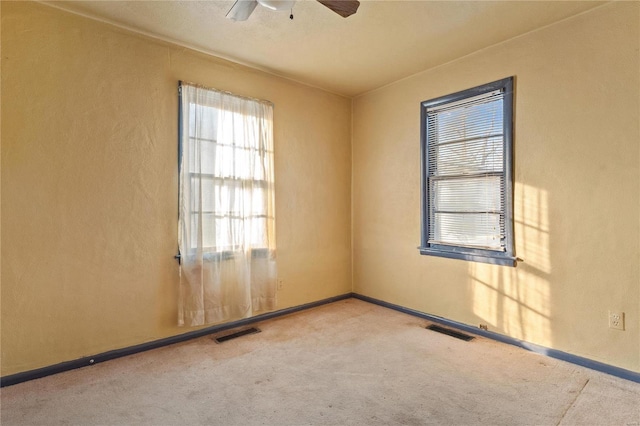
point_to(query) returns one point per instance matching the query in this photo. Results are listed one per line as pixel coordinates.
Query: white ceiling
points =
(383, 42)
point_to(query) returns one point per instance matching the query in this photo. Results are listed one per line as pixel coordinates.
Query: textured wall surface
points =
(90, 178)
(89, 187)
(577, 193)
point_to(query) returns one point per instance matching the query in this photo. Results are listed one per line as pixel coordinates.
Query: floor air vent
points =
(237, 334)
(450, 332)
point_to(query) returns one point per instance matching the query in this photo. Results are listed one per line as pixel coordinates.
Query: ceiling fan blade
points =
(241, 10)
(343, 8)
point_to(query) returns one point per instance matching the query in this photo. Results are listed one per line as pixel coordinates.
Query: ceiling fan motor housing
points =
(242, 9)
(277, 4)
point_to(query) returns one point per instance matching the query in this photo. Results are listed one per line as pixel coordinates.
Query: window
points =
(466, 150)
(226, 176)
(226, 229)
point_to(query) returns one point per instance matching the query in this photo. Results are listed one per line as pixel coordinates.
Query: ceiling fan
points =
(242, 9)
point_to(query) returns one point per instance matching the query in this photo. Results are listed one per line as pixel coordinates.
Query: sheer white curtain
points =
(227, 211)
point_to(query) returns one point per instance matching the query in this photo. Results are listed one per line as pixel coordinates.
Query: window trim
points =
(506, 258)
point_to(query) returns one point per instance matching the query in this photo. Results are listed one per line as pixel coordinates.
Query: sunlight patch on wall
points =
(516, 301)
(486, 298)
(531, 223)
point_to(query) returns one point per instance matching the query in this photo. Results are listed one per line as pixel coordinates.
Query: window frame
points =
(212, 253)
(506, 258)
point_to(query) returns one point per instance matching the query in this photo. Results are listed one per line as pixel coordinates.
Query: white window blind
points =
(466, 173)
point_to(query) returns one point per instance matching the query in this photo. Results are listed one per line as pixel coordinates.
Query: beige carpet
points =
(348, 363)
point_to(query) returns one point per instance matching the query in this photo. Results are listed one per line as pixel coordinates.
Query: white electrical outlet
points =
(616, 320)
(280, 283)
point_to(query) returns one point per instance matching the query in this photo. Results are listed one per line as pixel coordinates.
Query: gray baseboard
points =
(117, 353)
(553, 353)
(14, 379)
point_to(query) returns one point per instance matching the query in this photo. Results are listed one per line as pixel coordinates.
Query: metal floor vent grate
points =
(237, 334)
(450, 332)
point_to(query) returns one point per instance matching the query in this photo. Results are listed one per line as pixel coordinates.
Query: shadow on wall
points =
(516, 301)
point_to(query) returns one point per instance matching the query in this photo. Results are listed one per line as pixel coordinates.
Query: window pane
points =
(481, 194)
(202, 155)
(258, 235)
(207, 156)
(468, 230)
(256, 199)
(202, 122)
(468, 121)
(208, 193)
(467, 157)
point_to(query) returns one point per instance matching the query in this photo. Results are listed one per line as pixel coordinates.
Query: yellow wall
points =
(89, 187)
(89, 184)
(577, 193)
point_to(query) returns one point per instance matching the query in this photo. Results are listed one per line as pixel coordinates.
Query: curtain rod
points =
(200, 86)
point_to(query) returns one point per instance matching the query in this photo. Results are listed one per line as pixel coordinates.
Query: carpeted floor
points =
(347, 363)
